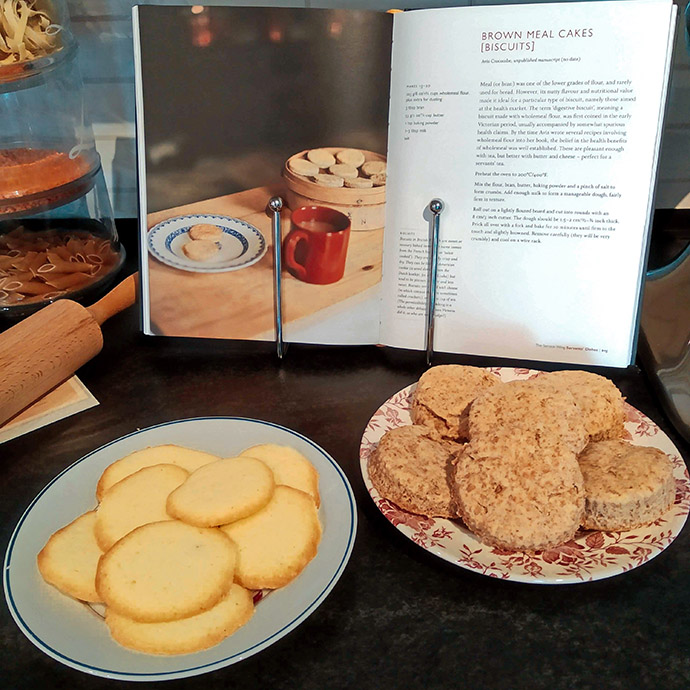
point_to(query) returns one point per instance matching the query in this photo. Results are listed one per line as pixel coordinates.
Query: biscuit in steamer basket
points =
(186, 458)
(187, 635)
(136, 500)
(166, 571)
(601, 403)
(525, 414)
(222, 491)
(626, 485)
(412, 470)
(276, 543)
(321, 157)
(520, 499)
(442, 397)
(353, 157)
(70, 557)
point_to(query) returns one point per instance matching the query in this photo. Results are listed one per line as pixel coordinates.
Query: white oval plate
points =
(589, 556)
(71, 633)
(240, 246)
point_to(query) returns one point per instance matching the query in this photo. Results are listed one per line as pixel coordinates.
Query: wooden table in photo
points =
(239, 304)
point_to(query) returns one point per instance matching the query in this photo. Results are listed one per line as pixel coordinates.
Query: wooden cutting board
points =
(239, 304)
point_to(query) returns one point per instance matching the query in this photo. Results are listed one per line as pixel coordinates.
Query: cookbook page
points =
(235, 106)
(538, 127)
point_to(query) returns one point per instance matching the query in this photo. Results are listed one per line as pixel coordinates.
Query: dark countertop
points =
(398, 617)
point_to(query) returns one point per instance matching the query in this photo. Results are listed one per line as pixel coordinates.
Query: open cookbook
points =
(538, 126)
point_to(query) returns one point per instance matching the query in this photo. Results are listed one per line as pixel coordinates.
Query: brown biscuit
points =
(411, 469)
(520, 500)
(528, 415)
(601, 403)
(443, 395)
(626, 485)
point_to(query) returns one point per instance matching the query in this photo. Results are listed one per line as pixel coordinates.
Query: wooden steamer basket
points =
(364, 207)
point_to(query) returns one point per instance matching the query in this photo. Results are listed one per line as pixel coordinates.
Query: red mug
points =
(315, 249)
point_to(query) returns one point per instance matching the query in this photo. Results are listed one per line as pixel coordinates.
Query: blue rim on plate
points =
(241, 245)
(68, 632)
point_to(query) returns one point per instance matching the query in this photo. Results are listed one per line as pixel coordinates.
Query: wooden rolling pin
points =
(47, 347)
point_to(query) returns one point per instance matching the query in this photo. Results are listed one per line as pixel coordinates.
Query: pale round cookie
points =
(136, 500)
(359, 183)
(378, 179)
(70, 557)
(321, 157)
(165, 571)
(222, 491)
(205, 231)
(520, 500)
(353, 157)
(200, 250)
(626, 486)
(328, 180)
(412, 470)
(601, 403)
(373, 168)
(187, 458)
(443, 396)
(289, 467)
(301, 166)
(275, 544)
(525, 414)
(343, 170)
(186, 635)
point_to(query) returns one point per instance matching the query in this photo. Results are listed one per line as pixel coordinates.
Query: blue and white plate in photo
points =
(73, 634)
(240, 245)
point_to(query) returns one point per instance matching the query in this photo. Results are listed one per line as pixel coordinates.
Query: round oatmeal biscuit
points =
(136, 500)
(186, 458)
(373, 168)
(70, 557)
(525, 414)
(222, 491)
(412, 470)
(328, 180)
(343, 170)
(378, 179)
(275, 544)
(166, 571)
(626, 485)
(301, 166)
(289, 467)
(520, 500)
(187, 635)
(601, 403)
(353, 157)
(321, 157)
(205, 231)
(443, 395)
(200, 250)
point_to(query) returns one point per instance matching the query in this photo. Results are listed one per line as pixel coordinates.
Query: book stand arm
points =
(275, 206)
(435, 206)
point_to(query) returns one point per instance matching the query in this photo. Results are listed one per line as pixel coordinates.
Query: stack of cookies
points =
(343, 168)
(182, 540)
(524, 464)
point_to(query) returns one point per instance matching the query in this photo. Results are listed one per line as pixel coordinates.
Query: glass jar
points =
(57, 233)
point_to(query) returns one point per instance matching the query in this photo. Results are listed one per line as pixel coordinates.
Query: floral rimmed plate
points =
(589, 556)
(72, 633)
(240, 245)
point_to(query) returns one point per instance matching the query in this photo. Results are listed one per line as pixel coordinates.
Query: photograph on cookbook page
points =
(236, 106)
(538, 126)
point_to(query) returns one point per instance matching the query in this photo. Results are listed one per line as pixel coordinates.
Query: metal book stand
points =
(275, 206)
